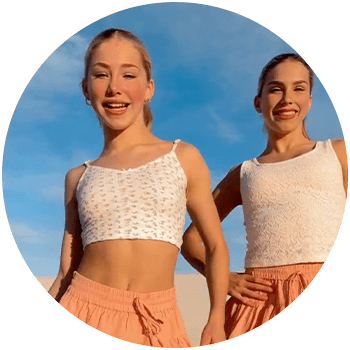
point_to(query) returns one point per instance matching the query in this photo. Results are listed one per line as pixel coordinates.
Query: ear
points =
(257, 104)
(150, 90)
(310, 101)
(85, 89)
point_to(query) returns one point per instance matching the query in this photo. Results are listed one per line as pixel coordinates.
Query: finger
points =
(258, 287)
(255, 295)
(241, 298)
(262, 281)
(205, 339)
(258, 280)
(248, 302)
(245, 292)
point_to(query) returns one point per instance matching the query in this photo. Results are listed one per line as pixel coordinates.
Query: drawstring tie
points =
(303, 284)
(151, 326)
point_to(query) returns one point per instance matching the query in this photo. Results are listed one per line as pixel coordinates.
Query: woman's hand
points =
(213, 333)
(246, 287)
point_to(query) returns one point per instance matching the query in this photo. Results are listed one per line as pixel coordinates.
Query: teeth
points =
(286, 113)
(117, 105)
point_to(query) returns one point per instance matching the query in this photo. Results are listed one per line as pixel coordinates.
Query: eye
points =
(100, 75)
(275, 89)
(299, 88)
(129, 76)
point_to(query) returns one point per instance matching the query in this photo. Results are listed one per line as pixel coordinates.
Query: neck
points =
(119, 140)
(283, 143)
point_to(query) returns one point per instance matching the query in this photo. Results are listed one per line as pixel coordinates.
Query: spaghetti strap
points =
(87, 163)
(175, 144)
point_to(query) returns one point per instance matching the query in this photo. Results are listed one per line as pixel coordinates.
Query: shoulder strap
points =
(175, 144)
(87, 163)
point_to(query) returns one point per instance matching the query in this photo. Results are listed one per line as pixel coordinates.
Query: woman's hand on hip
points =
(246, 287)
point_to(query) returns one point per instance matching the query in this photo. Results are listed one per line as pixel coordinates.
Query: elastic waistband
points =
(285, 271)
(117, 299)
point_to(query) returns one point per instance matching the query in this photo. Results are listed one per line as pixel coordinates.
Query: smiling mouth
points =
(285, 114)
(117, 106)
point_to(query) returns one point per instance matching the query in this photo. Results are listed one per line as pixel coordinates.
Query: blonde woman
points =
(125, 211)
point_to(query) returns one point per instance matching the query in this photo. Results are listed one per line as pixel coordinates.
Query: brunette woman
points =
(293, 196)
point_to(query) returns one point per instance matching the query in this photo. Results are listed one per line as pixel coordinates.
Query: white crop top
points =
(146, 202)
(293, 208)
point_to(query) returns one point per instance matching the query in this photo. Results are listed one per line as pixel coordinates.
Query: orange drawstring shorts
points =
(288, 282)
(151, 319)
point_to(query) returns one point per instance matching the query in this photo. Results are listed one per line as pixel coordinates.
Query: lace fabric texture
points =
(147, 202)
(292, 209)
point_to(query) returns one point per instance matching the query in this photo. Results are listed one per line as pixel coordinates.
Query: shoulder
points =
(340, 150)
(235, 171)
(189, 156)
(227, 194)
(232, 178)
(338, 145)
(192, 163)
(186, 150)
(74, 174)
(72, 178)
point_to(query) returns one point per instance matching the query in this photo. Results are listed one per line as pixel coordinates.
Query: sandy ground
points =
(192, 298)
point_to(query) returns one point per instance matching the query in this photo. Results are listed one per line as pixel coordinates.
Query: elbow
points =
(217, 249)
(188, 254)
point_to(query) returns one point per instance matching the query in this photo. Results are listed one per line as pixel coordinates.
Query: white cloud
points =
(32, 108)
(20, 230)
(59, 74)
(203, 35)
(23, 233)
(54, 193)
(62, 70)
(225, 129)
(48, 186)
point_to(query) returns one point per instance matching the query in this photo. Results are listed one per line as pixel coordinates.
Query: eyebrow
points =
(124, 65)
(281, 83)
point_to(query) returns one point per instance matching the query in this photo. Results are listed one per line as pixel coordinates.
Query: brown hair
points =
(275, 61)
(123, 34)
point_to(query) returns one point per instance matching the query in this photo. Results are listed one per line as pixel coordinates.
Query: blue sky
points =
(206, 62)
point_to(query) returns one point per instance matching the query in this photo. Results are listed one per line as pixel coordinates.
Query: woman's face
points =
(117, 85)
(285, 98)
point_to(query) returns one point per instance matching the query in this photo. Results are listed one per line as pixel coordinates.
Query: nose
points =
(287, 97)
(114, 87)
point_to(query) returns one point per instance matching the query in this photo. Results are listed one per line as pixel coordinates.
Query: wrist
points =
(217, 317)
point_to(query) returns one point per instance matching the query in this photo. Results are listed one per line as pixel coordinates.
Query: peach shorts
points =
(288, 282)
(151, 319)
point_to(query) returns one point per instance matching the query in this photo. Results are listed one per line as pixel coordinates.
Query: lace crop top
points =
(146, 202)
(293, 208)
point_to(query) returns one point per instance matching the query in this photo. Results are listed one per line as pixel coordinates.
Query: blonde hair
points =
(132, 38)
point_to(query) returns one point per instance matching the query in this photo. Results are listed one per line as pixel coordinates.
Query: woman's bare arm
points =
(226, 197)
(71, 250)
(202, 211)
(340, 150)
(243, 287)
